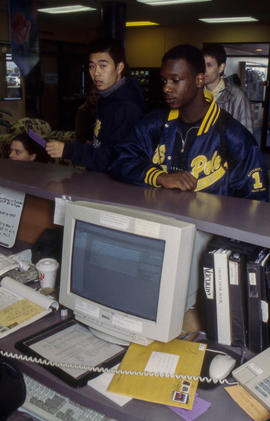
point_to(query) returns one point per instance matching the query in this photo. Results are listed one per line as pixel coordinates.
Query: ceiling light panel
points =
(229, 20)
(66, 9)
(168, 2)
(141, 23)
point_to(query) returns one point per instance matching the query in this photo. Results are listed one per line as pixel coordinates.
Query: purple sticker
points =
(199, 407)
(42, 142)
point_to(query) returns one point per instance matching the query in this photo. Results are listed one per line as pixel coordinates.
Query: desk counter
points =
(222, 406)
(242, 219)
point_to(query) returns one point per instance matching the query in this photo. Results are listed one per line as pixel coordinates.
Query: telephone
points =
(254, 376)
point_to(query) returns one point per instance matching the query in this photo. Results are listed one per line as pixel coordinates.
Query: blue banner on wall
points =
(24, 34)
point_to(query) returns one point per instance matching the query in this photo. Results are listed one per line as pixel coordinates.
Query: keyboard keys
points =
(49, 405)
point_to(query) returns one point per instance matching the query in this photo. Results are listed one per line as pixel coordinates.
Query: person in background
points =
(192, 145)
(12, 389)
(23, 148)
(228, 95)
(85, 117)
(234, 79)
(119, 108)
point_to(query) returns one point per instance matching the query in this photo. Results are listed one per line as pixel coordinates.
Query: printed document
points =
(21, 305)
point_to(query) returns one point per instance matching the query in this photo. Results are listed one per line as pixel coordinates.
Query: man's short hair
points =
(111, 46)
(217, 51)
(189, 53)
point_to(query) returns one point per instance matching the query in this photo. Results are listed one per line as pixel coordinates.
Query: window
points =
(10, 76)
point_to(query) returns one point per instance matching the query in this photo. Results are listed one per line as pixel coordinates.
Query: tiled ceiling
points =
(165, 15)
(174, 15)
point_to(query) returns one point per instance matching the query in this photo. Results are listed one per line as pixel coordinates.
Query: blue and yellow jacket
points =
(149, 153)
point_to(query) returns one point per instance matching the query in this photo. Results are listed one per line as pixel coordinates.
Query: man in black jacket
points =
(119, 108)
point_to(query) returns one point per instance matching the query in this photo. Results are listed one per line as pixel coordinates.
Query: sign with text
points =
(11, 206)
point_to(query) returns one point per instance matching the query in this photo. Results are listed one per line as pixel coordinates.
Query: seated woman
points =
(23, 148)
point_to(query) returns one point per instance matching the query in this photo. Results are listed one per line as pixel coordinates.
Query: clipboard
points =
(72, 342)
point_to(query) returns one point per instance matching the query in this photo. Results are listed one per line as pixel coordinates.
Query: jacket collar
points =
(113, 88)
(210, 117)
(220, 86)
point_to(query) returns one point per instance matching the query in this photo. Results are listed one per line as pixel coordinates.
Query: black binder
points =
(265, 300)
(238, 302)
(258, 326)
(210, 295)
(241, 253)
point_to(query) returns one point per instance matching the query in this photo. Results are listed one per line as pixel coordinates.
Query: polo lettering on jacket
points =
(207, 171)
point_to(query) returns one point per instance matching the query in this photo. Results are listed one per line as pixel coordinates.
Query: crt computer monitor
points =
(125, 272)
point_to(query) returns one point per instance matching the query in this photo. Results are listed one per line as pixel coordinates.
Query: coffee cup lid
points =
(47, 264)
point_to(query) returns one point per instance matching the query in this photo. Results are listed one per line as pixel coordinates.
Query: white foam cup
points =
(47, 269)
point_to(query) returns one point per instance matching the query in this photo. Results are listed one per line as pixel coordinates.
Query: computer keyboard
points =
(48, 405)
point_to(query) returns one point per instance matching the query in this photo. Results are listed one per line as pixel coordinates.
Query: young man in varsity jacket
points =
(119, 108)
(193, 145)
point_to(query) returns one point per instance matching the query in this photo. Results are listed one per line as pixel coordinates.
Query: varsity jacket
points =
(235, 101)
(116, 114)
(234, 169)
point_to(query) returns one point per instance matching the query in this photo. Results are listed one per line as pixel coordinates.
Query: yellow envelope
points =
(187, 358)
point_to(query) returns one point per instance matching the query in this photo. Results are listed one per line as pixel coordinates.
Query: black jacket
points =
(116, 114)
(12, 388)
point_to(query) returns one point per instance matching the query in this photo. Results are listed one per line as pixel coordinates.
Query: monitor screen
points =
(125, 272)
(117, 261)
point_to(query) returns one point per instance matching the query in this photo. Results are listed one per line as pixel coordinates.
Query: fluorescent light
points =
(229, 20)
(168, 2)
(66, 9)
(141, 23)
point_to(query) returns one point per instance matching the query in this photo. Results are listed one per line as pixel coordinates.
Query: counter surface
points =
(135, 410)
(231, 217)
(242, 219)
